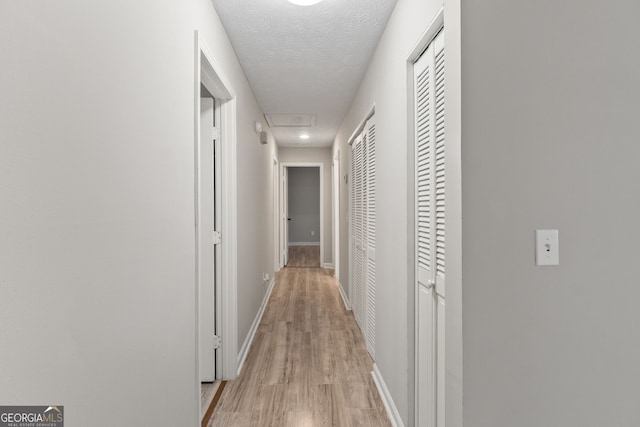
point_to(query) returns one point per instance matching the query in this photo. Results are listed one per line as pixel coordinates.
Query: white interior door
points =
(205, 225)
(276, 213)
(357, 297)
(285, 215)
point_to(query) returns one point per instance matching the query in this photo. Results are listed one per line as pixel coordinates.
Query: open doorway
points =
(215, 225)
(208, 233)
(302, 215)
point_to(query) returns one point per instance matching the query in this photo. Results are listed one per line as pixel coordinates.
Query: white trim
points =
(304, 243)
(209, 73)
(362, 124)
(426, 38)
(283, 247)
(327, 265)
(387, 400)
(349, 224)
(335, 175)
(244, 351)
(320, 167)
(345, 300)
(276, 209)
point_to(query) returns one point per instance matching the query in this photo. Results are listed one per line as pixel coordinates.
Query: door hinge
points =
(216, 133)
(217, 342)
(217, 238)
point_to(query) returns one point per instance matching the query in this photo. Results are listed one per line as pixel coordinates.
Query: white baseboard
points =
(327, 265)
(244, 351)
(304, 243)
(343, 294)
(387, 400)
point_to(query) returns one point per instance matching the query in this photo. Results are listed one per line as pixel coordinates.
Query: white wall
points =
(304, 204)
(316, 155)
(97, 283)
(550, 140)
(385, 85)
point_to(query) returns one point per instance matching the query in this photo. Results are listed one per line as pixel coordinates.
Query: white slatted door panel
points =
(370, 250)
(439, 178)
(363, 247)
(424, 166)
(426, 358)
(426, 251)
(440, 358)
(359, 261)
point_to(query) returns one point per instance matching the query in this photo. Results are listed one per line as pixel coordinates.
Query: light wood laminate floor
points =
(207, 392)
(308, 365)
(304, 256)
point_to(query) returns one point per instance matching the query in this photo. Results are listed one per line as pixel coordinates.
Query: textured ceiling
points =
(305, 60)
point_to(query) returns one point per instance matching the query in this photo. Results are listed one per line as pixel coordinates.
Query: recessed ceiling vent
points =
(290, 120)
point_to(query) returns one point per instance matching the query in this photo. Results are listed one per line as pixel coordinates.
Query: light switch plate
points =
(547, 247)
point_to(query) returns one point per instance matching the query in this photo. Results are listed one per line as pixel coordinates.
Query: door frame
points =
(209, 74)
(336, 213)
(208, 220)
(283, 212)
(320, 166)
(276, 209)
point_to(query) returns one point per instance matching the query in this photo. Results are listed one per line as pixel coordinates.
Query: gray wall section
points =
(304, 205)
(550, 140)
(316, 155)
(97, 261)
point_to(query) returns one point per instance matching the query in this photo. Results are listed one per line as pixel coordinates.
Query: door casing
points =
(284, 199)
(208, 73)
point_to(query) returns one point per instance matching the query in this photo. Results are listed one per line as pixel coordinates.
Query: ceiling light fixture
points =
(304, 136)
(305, 2)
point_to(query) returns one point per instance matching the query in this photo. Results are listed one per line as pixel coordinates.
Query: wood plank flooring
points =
(207, 391)
(308, 365)
(304, 256)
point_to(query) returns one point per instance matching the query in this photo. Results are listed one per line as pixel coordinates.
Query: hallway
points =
(307, 365)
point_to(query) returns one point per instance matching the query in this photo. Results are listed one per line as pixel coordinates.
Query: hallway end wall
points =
(317, 155)
(304, 205)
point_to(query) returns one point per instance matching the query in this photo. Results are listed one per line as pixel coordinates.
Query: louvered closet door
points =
(363, 226)
(439, 165)
(370, 247)
(357, 209)
(440, 193)
(430, 230)
(425, 337)
(363, 246)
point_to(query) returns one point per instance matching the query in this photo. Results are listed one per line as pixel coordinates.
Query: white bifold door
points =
(430, 234)
(208, 237)
(363, 232)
